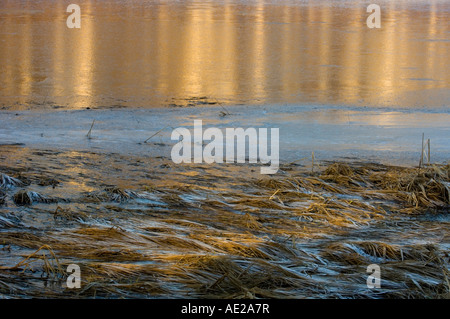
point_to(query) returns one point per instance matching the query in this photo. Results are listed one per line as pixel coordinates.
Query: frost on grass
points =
(23, 197)
(8, 182)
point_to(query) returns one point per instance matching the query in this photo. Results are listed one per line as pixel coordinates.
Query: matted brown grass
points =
(223, 232)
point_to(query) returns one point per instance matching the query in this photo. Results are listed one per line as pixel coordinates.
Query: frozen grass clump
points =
(7, 182)
(24, 197)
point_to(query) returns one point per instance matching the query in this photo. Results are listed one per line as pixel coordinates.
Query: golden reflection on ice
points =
(84, 58)
(150, 53)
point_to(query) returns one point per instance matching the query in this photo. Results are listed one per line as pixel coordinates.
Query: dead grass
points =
(68, 214)
(51, 266)
(24, 197)
(7, 182)
(293, 235)
(111, 193)
(2, 197)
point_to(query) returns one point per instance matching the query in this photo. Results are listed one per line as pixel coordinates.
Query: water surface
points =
(191, 53)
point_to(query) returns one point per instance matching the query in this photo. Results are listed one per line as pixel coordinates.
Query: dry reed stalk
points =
(90, 130)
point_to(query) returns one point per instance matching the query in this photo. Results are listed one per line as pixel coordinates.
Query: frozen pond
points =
(160, 53)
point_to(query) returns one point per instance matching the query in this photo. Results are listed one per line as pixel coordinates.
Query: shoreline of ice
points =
(386, 135)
